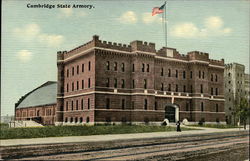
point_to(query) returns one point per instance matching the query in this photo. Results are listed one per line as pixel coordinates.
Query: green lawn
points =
(219, 126)
(57, 131)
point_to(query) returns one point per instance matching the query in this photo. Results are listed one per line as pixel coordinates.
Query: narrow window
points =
(162, 71)
(202, 107)
(115, 83)
(87, 120)
(72, 86)
(107, 103)
(77, 69)
(72, 71)
(77, 85)
(115, 66)
(176, 88)
(191, 74)
(145, 104)
(176, 73)
(199, 74)
(67, 106)
(169, 72)
(162, 86)
(80, 119)
(145, 84)
(107, 82)
(123, 67)
(203, 74)
(123, 83)
(123, 104)
(76, 119)
(133, 83)
(184, 88)
(66, 119)
(133, 68)
(76, 104)
(143, 66)
(191, 89)
(201, 88)
(184, 74)
(169, 87)
(82, 67)
(212, 77)
(88, 103)
(147, 67)
(89, 83)
(156, 105)
(82, 84)
(72, 105)
(89, 65)
(216, 78)
(82, 104)
(217, 108)
(107, 65)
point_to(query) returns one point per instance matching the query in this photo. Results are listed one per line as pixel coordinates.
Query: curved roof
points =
(43, 95)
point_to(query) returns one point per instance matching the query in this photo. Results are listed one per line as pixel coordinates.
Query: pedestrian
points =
(178, 126)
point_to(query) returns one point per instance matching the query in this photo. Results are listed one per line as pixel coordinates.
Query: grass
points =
(4, 126)
(219, 126)
(58, 131)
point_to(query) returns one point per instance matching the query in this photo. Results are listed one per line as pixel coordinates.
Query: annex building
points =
(105, 82)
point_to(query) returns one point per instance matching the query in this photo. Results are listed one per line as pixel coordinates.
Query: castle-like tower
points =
(104, 82)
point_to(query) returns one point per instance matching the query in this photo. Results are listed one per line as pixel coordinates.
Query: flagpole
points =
(166, 29)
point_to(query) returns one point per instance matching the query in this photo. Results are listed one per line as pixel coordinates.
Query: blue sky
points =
(31, 37)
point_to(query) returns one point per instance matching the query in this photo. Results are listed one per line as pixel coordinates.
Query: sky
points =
(31, 37)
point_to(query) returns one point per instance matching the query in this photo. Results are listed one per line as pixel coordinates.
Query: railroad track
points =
(169, 148)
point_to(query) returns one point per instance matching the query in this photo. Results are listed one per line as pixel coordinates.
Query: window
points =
(229, 82)
(123, 67)
(77, 69)
(212, 91)
(156, 105)
(81, 119)
(201, 88)
(217, 108)
(184, 74)
(71, 119)
(145, 104)
(89, 83)
(169, 87)
(176, 73)
(147, 67)
(191, 89)
(89, 65)
(191, 74)
(169, 72)
(107, 82)
(82, 84)
(133, 68)
(143, 66)
(107, 103)
(115, 66)
(76, 104)
(82, 104)
(203, 75)
(123, 104)
(162, 86)
(77, 85)
(67, 72)
(199, 74)
(212, 77)
(229, 74)
(184, 88)
(216, 91)
(202, 106)
(72, 71)
(176, 88)
(162, 71)
(145, 84)
(67, 106)
(187, 107)
(115, 83)
(82, 67)
(123, 83)
(87, 120)
(216, 78)
(67, 87)
(72, 86)
(133, 83)
(107, 65)
(66, 119)
(72, 105)
(88, 103)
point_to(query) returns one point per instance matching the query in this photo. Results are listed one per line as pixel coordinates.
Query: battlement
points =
(197, 55)
(216, 62)
(113, 45)
(60, 55)
(142, 46)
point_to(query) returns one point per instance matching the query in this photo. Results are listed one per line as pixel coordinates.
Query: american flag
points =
(158, 10)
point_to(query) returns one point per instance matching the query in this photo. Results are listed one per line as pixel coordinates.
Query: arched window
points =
(107, 65)
(71, 119)
(145, 83)
(89, 65)
(76, 119)
(81, 119)
(169, 72)
(87, 120)
(66, 119)
(115, 66)
(202, 106)
(123, 67)
(145, 104)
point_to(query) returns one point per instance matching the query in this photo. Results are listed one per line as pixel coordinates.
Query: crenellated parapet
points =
(216, 62)
(142, 46)
(197, 55)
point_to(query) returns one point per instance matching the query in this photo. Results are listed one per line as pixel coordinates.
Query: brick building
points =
(38, 105)
(101, 82)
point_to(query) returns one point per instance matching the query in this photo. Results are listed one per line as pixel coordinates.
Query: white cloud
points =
(147, 18)
(66, 12)
(213, 26)
(128, 17)
(32, 32)
(24, 55)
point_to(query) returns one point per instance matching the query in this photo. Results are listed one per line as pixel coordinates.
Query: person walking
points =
(178, 126)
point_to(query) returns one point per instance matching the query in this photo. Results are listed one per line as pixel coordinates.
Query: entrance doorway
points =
(172, 112)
